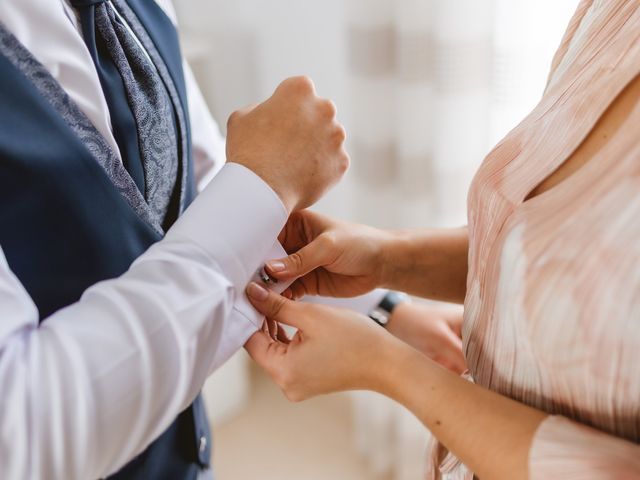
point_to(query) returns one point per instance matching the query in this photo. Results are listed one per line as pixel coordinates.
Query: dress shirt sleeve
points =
(94, 384)
(565, 449)
(209, 146)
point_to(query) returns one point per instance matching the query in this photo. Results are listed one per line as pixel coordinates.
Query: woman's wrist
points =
(395, 258)
(430, 263)
(386, 370)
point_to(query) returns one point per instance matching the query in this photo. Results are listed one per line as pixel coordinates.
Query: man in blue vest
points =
(118, 296)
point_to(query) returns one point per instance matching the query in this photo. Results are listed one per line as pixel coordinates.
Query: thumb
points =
(314, 255)
(258, 348)
(274, 306)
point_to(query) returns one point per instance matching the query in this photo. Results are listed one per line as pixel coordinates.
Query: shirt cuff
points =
(245, 320)
(235, 221)
(237, 331)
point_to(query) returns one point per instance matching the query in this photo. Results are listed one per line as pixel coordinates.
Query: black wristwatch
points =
(382, 313)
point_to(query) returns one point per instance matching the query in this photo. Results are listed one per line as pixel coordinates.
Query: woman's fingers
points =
(272, 328)
(316, 254)
(275, 307)
(298, 289)
(265, 351)
(258, 348)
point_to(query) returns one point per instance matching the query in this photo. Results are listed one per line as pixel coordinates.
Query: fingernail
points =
(276, 266)
(257, 292)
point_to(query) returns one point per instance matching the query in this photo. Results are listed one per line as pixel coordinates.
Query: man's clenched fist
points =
(292, 141)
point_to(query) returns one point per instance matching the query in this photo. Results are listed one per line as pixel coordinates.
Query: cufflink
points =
(265, 277)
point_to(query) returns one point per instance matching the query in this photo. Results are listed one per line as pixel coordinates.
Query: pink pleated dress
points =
(552, 313)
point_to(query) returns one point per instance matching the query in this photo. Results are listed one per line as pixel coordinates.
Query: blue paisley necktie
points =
(142, 115)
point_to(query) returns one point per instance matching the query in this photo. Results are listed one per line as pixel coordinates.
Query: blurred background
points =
(424, 88)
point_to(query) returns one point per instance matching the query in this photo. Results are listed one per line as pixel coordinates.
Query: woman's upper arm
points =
(565, 449)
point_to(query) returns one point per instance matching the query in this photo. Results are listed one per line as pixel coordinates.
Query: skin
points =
(426, 263)
(363, 356)
(433, 330)
(336, 349)
(292, 141)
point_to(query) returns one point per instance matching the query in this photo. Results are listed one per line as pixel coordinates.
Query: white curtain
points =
(424, 87)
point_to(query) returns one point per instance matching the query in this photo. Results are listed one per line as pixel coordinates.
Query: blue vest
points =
(64, 226)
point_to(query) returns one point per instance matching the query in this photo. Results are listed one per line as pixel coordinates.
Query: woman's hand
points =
(338, 259)
(329, 257)
(333, 349)
(434, 330)
(336, 350)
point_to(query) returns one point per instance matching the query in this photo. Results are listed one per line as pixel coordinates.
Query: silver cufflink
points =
(266, 278)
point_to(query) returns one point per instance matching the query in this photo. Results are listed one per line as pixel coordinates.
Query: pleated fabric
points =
(552, 314)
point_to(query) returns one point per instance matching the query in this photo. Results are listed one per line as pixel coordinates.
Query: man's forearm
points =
(428, 263)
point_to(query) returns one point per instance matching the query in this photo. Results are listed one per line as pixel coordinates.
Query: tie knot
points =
(85, 3)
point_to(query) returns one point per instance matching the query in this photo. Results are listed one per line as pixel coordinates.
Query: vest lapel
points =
(50, 89)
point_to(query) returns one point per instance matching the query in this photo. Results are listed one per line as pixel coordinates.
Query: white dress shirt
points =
(91, 387)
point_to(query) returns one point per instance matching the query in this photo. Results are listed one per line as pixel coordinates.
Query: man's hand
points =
(292, 141)
(329, 257)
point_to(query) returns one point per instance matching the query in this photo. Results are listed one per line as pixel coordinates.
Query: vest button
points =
(202, 444)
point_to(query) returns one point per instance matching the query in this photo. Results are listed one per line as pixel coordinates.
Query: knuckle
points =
(233, 119)
(277, 306)
(327, 109)
(296, 261)
(306, 85)
(344, 163)
(300, 84)
(328, 241)
(339, 135)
